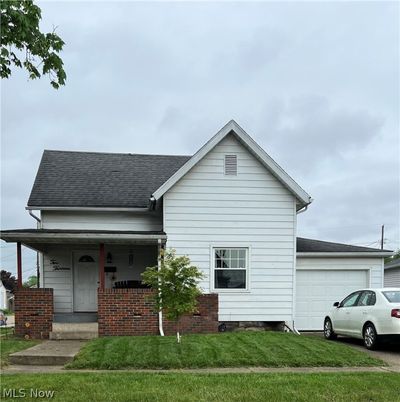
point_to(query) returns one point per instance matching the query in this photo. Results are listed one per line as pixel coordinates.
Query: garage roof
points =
(393, 264)
(319, 246)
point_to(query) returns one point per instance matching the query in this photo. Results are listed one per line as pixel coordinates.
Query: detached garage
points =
(327, 272)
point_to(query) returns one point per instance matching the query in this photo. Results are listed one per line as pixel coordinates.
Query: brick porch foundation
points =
(131, 312)
(33, 312)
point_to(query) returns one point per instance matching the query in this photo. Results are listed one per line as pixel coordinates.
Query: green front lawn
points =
(11, 345)
(338, 387)
(6, 332)
(238, 349)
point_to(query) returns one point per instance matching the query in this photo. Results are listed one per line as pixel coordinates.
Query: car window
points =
(350, 300)
(368, 298)
(393, 296)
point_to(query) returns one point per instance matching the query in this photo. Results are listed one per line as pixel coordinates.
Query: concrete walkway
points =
(48, 353)
(18, 369)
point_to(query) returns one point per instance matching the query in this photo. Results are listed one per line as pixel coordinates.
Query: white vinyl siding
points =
(392, 278)
(88, 220)
(60, 280)
(207, 209)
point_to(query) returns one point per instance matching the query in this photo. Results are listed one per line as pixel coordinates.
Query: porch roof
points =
(36, 237)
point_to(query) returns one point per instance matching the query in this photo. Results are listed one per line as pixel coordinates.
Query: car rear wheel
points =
(328, 330)
(370, 336)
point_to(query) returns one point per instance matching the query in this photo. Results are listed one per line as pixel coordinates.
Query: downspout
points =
(152, 203)
(300, 211)
(293, 329)
(39, 226)
(35, 217)
(160, 315)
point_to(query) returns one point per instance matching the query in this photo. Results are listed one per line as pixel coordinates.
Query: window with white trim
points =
(230, 268)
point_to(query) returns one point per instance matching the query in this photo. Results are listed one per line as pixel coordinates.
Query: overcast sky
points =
(315, 84)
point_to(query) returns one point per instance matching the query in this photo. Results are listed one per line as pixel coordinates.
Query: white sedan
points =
(369, 314)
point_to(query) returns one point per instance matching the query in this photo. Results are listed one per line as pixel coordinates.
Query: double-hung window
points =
(230, 268)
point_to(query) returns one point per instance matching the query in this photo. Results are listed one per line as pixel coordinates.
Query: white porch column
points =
(160, 315)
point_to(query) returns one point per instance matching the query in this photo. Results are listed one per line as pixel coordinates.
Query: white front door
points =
(86, 277)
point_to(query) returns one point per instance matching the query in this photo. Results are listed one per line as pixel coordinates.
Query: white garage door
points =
(317, 290)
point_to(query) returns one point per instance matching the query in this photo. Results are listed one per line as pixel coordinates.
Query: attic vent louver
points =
(231, 165)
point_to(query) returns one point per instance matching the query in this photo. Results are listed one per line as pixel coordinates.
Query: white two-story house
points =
(102, 218)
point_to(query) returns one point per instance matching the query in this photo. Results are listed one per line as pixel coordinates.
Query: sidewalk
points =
(18, 369)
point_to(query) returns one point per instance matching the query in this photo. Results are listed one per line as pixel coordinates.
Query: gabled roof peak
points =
(233, 127)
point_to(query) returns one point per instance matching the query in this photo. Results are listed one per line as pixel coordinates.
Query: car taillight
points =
(395, 313)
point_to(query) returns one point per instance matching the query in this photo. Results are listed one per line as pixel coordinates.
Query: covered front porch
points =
(92, 280)
(77, 271)
(75, 267)
(75, 263)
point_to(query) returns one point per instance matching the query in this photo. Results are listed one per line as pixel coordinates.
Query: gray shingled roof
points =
(94, 179)
(319, 246)
(393, 264)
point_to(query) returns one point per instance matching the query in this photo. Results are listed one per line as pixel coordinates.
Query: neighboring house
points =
(229, 207)
(392, 274)
(5, 296)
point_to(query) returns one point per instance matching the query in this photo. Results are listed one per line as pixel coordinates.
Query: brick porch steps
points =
(48, 353)
(74, 331)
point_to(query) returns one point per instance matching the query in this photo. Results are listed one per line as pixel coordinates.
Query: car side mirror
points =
(336, 304)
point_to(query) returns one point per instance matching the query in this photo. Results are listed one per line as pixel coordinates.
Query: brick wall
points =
(131, 312)
(204, 321)
(33, 312)
(126, 312)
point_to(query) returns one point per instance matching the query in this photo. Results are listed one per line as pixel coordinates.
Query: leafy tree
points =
(24, 45)
(8, 279)
(30, 282)
(395, 256)
(177, 282)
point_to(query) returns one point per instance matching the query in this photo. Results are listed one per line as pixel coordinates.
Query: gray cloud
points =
(316, 84)
(310, 131)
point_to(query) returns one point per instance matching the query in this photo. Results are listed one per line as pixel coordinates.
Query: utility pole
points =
(382, 236)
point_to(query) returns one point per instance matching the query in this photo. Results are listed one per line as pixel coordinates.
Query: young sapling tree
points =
(177, 283)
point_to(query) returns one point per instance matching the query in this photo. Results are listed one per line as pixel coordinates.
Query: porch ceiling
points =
(39, 238)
